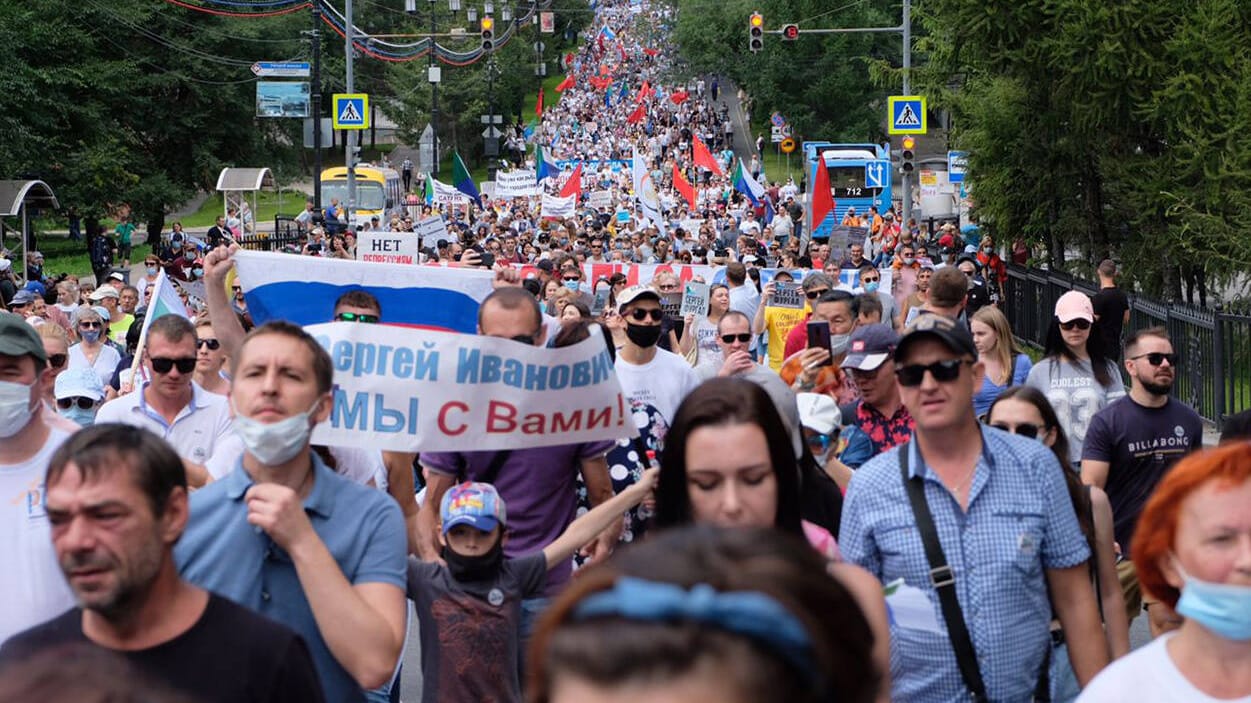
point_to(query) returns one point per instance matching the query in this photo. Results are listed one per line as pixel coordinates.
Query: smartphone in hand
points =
(819, 338)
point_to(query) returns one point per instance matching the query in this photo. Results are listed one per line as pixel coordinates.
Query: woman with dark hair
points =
(1025, 411)
(1076, 374)
(729, 460)
(698, 614)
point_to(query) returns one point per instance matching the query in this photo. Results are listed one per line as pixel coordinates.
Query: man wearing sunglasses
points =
(1131, 443)
(169, 404)
(1002, 532)
(879, 421)
(734, 337)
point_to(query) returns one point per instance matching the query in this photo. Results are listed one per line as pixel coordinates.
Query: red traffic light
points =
(790, 32)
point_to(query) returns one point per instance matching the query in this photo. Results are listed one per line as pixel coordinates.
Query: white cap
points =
(818, 412)
(79, 383)
(105, 291)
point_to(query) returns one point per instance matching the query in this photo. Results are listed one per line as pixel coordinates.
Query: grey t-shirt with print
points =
(1075, 395)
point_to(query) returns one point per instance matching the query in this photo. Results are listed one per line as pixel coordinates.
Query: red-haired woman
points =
(1192, 550)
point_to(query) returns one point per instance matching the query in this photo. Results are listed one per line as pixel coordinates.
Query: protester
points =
(1191, 553)
(954, 482)
(171, 405)
(730, 461)
(700, 332)
(287, 537)
(1006, 365)
(1111, 309)
(1075, 373)
(777, 322)
(1024, 410)
(1131, 444)
(819, 368)
(79, 395)
(879, 420)
(477, 583)
(117, 501)
(209, 359)
(33, 589)
(93, 351)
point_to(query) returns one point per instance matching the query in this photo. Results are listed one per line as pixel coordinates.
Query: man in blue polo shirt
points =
(285, 535)
(1003, 521)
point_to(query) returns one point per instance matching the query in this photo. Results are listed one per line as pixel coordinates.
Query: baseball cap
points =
(955, 335)
(1073, 305)
(750, 259)
(545, 265)
(475, 504)
(5, 265)
(870, 346)
(818, 412)
(633, 293)
(36, 287)
(117, 276)
(105, 291)
(22, 297)
(20, 339)
(79, 383)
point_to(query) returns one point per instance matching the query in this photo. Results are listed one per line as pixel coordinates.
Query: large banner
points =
(303, 290)
(421, 390)
(388, 247)
(516, 184)
(555, 206)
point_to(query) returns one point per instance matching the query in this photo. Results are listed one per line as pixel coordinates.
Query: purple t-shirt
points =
(539, 491)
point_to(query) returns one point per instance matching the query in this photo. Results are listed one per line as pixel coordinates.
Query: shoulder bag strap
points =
(943, 580)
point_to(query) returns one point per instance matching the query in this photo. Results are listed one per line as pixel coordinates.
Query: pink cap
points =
(1074, 305)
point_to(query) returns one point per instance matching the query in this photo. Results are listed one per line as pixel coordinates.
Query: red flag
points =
(639, 113)
(822, 197)
(644, 92)
(565, 84)
(703, 157)
(679, 97)
(573, 186)
(569, 59)
(538, 106)
(651, 52)
(621, 46)
(683, 186)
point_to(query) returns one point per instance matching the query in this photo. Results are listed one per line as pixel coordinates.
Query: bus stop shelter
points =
(16, 199)
(236, 183)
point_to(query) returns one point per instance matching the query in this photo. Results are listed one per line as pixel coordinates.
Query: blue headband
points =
(747, 613)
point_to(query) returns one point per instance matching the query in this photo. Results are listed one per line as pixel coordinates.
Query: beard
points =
(128, 581)
(1157, 388)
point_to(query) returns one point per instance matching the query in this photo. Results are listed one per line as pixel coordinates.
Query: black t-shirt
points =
(230, 654)
(1110, 305)
(1140, 444)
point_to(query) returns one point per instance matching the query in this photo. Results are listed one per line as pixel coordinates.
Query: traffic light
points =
(908, 156)
(790, 32)
(755, 32)
(488, 33)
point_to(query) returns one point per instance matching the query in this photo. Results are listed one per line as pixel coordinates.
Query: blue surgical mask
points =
(151, 270)
(90, 336)
(1223, 608)
(84, 418)
(572, 285)
(197, 272)
(871, 287)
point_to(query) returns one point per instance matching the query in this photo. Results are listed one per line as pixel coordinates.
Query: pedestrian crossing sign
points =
(350, 111)
(907, 114)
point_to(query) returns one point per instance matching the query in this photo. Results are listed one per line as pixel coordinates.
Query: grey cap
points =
(20, 339)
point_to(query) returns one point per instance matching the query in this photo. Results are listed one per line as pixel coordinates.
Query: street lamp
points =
(434, 73)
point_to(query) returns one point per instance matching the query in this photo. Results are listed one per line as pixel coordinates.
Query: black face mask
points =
(645, 336)
(479, 568)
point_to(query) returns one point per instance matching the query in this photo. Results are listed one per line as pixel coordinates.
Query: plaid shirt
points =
(1019, 523)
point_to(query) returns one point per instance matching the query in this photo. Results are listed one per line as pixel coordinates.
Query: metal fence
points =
(1213, 345)
(285, 237)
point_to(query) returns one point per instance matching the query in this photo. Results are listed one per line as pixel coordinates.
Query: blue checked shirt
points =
(1019, 523)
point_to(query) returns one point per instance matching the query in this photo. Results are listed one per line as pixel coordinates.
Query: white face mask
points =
(16, 409)
(277, 442)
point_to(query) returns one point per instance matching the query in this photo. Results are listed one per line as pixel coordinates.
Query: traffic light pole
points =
(315, 100)
(904, 28)
(349, 136)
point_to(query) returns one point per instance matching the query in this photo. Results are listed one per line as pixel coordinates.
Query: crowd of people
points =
(847, 481)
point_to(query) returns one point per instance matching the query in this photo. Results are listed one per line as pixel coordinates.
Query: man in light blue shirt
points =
(1005, 523)
(289, 538)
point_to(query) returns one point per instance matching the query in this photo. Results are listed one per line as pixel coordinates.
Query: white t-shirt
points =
(1148, 675)
(32, 587)
(661, 383)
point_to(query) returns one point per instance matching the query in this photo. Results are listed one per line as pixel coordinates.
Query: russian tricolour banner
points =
(303, 290)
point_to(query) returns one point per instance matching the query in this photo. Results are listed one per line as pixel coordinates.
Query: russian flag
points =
(303, 290)
(543, 166)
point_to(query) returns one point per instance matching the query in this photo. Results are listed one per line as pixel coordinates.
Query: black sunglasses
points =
(90, 325)
(1079, 323)
(731, 338)
(1025, 429)
(640, 314)
(944, 371)
(573, 279)
(1157, 358)
(211, 343)
(356, 317)
(869, 280)
(163, 365)
(814, 294)
(84, 403)
(56, 361)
